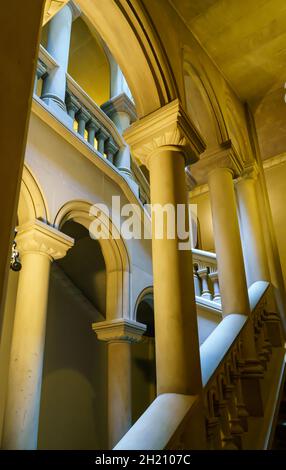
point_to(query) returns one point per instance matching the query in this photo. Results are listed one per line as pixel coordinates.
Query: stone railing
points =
(90, 122)
(206, 276)
(226, 418)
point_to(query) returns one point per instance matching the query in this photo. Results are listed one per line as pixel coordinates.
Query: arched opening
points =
(143, 357)
(88, 63)
(73, 399)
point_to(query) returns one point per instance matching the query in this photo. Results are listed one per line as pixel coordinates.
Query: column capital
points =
(120, 104)
(120, 329)
(250, 171)
(168, 126)
(222, 156)
(37, 237)
(76, 11)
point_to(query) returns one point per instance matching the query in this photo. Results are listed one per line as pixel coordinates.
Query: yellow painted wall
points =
(88, 64)
(276, 185)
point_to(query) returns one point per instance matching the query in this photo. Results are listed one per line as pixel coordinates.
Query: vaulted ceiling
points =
(245, 38)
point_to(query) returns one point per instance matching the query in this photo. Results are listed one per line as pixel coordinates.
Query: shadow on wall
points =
(73, 406)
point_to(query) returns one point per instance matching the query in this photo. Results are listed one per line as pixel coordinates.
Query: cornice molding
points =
(250, 171)
(274, 161)
(52, 7)
(168, 126)
(222, 156)
(121, 329)
(37, 237)
(120, 104)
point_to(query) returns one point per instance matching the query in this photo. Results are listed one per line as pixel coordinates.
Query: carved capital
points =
(250, 171)
(76, 11)
(37, 237)
(52, 7)
(120, 104)
(168, 126)
(222, 156)
(119, 330)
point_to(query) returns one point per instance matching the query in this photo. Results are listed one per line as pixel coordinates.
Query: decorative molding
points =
(120, 104)
(168, 126)
(37, 237)
(274, 161)
(250, 171)
(119, 330)
(52, 7)
(222, 156)
(76, 11)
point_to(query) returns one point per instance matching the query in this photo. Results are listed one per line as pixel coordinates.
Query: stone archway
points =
(129, 34)
(114, 252)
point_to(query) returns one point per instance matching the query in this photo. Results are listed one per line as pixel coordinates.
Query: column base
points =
(58, 108)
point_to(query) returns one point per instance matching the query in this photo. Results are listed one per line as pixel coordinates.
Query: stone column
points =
(38, 245)
(119, 334)
(121, 111)
(59, 34)
(232, 278)
(228, 247)
(165, 141)
(251, 229)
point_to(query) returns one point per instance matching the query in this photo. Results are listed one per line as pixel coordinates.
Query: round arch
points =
(32, 204)
(128, 32)
(114, 252)
(142, 315)
(210, 106)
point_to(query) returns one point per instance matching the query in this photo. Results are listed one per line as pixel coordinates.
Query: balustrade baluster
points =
(101, 137)
(92, 128)
(235, 424)
(83, 117)
(72, 104)
(197, 281)
(204, 274)
(228, 439)
(213, 276)
(110, 149)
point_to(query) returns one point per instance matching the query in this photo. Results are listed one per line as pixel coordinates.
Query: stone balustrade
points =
(89, 121)
(206, 275)
(224, 368)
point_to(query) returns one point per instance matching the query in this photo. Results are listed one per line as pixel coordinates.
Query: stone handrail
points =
(155, 428)
(206, 276)
(171, 420)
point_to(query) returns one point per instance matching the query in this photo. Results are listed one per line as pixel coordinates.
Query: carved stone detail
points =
(169, 126)
(222, 156)
(37, 237)
(119, 330)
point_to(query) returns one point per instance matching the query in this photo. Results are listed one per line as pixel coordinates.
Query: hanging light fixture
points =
(15, 263)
